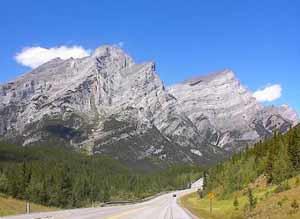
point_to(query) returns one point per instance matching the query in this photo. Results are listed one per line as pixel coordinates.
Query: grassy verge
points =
(10, 206)
(200, 207)
(270, 204)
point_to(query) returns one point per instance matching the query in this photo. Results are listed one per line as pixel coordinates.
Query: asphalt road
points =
(162, 207)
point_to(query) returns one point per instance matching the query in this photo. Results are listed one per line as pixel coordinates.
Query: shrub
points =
(200, 193)
(295, 205)
(297, 182)
(236, 203)
(282, 201)
(282, 187)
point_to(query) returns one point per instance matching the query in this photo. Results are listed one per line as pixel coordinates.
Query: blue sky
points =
(259, 40)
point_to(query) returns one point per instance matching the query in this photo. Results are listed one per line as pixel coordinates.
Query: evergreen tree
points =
(251, 199)
(282, 164)
(3, 183)
(204, 180)
(270, 167)
(277, 158)
(59, 177)
(294, 150)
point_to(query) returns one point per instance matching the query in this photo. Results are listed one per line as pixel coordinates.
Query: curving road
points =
(162, 207)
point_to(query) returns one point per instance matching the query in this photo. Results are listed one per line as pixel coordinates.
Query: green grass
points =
(271, 205)
(221, 208)
(10, 206)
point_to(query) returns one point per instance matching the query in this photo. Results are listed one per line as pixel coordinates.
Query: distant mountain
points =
(226, 113)
(108, 104)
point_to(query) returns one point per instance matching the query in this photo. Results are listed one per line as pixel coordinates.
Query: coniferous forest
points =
(56, 176)
(277, 159)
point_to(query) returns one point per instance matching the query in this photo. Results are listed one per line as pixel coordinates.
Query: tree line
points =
(56, 176)
(277, 158)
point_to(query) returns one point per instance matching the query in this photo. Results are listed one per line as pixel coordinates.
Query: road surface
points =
(162, 207)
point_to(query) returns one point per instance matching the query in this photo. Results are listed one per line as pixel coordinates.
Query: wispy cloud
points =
(269, 93)
(34, 56)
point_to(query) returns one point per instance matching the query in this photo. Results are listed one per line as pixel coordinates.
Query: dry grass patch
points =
(10, 206)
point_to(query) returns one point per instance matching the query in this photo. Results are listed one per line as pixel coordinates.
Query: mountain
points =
(226, 113)
(108, 104)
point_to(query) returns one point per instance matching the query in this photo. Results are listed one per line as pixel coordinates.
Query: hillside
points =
(58, 176)
(278, 158)
(271, 203)
(262, 182)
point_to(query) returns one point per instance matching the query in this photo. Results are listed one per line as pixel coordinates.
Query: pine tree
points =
(294, 149)
(43, 195)
(106, 194)
(251, 199)
(282, 164)
(65, 189)
(269, 167)
(3, 183)
(204, 186)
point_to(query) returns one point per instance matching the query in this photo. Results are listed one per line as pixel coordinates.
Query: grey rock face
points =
(220, 103)
(106, 103)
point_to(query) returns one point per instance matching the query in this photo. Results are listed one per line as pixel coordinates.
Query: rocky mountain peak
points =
(286, 112)
(222, 75)
(107, 50)
(114, 54)
(219, 101)
(106, 103)
(290, 113)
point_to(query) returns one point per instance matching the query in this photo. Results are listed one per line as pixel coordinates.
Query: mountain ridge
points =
(106, 103)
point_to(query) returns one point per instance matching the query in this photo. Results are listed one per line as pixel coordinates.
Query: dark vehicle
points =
(174, 195)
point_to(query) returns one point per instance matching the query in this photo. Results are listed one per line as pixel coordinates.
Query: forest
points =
(57, 176)
(60, 177)
(276, 158)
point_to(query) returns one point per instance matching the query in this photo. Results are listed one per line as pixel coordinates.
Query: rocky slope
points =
(106, 103)
(227, 113)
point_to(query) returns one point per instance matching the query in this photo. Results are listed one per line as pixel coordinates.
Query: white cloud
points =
(35, 56)
(269, 93)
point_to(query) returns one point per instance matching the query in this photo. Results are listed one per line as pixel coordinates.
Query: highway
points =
(163, 207)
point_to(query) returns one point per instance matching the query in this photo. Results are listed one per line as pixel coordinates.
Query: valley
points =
(149, 109)
(81, 132)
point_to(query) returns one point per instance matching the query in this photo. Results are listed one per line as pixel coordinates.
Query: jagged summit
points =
(287, 112)
(105, 50)
(106, 103)
(224, 74)
(114, 52)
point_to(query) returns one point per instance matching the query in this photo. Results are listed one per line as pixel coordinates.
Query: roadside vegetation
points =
(268, 202)
(260, 183)
(55, 176)
(11, 206)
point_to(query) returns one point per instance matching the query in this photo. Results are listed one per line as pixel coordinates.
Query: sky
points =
(258, 40)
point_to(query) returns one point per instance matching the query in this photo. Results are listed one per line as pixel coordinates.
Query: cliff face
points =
(219, 103)
(107, 104)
